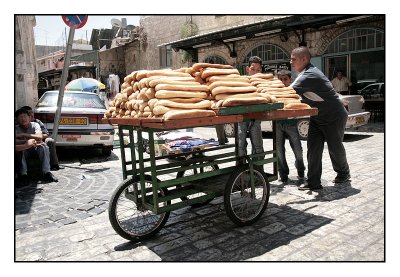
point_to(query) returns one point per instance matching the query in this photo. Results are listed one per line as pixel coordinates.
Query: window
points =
(215, 59)
(166, 56)
(356, 40)
(274, 58)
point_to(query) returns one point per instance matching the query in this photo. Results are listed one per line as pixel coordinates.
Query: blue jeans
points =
(290, 130)
(44, 156)
(254, 129)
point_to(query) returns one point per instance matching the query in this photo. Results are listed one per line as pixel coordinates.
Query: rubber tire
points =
(228, 196)
(302, 128)
(106, 150)
(112, 212)
(229, 130)
(180, 174)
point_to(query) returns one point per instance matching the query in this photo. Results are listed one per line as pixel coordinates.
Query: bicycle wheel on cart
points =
(243, 205)
(132, 220)
(194, 172)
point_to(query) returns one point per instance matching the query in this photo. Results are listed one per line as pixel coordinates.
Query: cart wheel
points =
(194, 172)
(241, 207)
(131, 220)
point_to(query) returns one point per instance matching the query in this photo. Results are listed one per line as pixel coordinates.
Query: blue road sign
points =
(75, 21)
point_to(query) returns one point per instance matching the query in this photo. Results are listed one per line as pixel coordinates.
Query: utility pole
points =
(62, 83)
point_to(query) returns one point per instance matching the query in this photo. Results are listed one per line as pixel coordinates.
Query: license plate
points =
(71, 136)
(360, 119)
(73, 121)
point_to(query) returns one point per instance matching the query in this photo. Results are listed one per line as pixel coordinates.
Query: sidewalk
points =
(68, 220)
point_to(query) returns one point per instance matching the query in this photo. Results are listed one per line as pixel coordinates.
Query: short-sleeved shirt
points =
(42, 127)
(33, 129)
(317, 91)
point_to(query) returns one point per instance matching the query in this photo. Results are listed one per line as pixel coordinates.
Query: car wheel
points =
(229, 130)
(302, 128)
(106, 150)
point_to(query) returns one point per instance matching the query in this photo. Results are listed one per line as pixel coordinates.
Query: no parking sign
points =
(75, 21)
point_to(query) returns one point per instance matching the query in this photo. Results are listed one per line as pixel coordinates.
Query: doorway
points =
(333, 64)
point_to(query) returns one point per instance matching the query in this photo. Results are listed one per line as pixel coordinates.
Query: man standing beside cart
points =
(253, 127)
(288, 128)
(317, 91)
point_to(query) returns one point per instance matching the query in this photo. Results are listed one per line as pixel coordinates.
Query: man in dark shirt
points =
(317, 91)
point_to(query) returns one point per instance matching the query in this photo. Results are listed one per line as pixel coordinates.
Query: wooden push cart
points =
(153, 186)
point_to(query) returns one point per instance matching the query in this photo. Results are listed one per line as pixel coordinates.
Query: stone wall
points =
(156, 30)
(26, 75)
(164, 29)
(112, 61)
(132, 56)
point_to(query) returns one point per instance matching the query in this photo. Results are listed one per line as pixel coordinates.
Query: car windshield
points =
(75, 100)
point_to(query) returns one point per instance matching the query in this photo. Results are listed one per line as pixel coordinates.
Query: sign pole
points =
(62, 83)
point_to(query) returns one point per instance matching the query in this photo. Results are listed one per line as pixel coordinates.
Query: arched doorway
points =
(274, 58)
(359, 53)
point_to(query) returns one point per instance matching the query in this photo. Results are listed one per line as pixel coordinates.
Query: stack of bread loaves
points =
(195, 91)
(226, 86)
(168, 94)
(273, 89)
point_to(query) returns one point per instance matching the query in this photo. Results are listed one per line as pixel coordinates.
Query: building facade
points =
(26, 75)
(352, 43)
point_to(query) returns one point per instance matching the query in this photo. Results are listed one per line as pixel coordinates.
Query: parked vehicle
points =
(354, 105)
(80, 122)
(376, 90)
(366, 82)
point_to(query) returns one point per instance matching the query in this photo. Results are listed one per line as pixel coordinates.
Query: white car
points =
(81, 122)
(354, 105)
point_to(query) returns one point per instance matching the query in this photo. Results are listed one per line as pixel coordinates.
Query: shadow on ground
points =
(207, 234)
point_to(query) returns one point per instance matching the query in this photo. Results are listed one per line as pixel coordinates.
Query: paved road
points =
(68, 221)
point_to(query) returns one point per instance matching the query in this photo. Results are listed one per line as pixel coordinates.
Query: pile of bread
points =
(195, 92)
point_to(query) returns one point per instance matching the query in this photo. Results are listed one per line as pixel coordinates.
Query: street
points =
(68, 220)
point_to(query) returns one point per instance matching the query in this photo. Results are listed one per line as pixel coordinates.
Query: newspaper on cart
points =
(178, 141)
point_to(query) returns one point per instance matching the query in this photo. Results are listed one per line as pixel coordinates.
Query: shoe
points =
(300, 174)
(309, 187)
(49, 177)
(339, 179)
(22, 182)
(55, 167)
(284, 179)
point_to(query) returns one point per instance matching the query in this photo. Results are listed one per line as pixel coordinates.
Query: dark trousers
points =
(333, 134)
(53, 152)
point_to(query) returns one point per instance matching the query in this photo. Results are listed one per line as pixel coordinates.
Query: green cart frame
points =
(154, 186)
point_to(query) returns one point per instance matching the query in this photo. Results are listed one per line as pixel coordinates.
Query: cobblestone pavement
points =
(68, 220)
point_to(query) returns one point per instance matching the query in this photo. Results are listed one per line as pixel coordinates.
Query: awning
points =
(274, 25)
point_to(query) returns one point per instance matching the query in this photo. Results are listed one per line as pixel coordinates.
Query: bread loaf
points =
(219, 90)
(216, 71)
(231, 102)
(176, 114)
(228, 84)
(182, 87)
(204, 104)
(168, 80)
(224, 96)
(296, 106)
(164, 94)
(198, 66)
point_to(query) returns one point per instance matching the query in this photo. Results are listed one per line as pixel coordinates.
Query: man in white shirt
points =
(341, 84)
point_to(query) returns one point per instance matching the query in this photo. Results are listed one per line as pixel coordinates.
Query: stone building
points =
(26, 75)
(351, 43)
